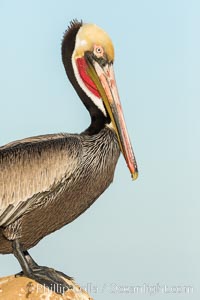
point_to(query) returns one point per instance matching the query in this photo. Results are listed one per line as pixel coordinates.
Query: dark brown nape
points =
(98, 120)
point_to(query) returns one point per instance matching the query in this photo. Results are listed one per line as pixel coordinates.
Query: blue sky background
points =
(138, 233)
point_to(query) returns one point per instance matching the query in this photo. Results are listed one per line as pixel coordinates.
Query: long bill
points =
(104, 79)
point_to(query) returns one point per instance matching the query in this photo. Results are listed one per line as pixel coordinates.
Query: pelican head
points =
(92, 60)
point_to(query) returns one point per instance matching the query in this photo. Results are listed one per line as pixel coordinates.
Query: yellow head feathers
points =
(90, 35)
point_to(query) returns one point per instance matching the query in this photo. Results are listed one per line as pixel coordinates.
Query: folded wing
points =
(33, 168)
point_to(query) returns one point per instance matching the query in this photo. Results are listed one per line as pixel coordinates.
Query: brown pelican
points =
(47, 181)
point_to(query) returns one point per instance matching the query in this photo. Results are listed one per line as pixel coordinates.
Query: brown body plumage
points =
(52, 179)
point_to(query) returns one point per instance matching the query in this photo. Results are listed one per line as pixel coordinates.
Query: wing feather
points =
(32, 168)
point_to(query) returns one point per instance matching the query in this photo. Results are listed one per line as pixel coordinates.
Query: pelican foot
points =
(61, 274)
(48, 277)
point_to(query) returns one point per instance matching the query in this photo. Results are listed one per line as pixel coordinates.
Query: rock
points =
(23, 288)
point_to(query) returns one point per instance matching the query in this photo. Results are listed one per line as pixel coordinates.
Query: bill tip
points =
(134, 175)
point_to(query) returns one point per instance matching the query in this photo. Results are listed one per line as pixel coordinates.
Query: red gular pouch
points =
(82, 69)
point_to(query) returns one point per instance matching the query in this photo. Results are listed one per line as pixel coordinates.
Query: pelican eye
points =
(98, 51)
